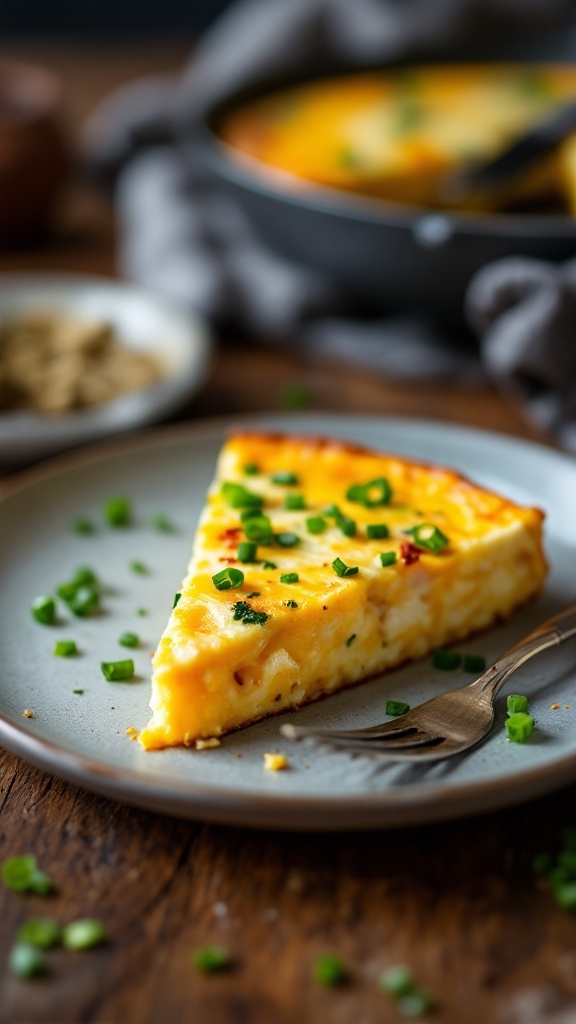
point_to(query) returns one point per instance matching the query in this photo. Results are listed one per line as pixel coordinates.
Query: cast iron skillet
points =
(387, 257)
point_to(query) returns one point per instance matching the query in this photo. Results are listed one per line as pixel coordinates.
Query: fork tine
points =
(396, 739)
(395, 751)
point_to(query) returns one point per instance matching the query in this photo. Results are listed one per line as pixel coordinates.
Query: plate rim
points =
(416, 804)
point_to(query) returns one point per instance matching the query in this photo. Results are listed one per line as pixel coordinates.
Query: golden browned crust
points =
(320, 443)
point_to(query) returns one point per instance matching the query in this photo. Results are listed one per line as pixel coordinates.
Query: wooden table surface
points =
(458, 902)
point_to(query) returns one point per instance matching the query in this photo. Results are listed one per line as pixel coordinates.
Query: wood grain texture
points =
(457, 902)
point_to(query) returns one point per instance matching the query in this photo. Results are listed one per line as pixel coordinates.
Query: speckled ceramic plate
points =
(82, 737)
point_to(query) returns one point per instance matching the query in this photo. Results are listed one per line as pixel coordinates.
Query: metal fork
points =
(450, 723)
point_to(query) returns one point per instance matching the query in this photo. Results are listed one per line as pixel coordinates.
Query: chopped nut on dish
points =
(275, 762)
(52, 363)
(27, 713)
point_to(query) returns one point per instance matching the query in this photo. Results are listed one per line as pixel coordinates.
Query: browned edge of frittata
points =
(317, 441)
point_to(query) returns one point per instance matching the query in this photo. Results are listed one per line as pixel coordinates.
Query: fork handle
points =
(552, 632)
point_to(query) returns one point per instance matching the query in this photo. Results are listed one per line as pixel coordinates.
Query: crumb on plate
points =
(27, 713)
(554, 707)
(275, 762)
(132, 732)
(213, 741)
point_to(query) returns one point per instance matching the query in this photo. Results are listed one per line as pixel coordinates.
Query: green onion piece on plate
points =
(519, 727)
(82, 526)
(474, 663)
(65, 648)
(139, 568)
(161, 523)
(396, 708)
(118, 671)
(446, 660)
(117, 512)
(44, 610)
(228, 579)
(517, 703)
(129, 639)
(85, 576)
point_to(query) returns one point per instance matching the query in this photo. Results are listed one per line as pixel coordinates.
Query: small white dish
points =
(143, 321)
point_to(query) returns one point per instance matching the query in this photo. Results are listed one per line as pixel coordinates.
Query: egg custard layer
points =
(318, 564)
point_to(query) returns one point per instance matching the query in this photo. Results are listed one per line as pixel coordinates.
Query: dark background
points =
(106, 17)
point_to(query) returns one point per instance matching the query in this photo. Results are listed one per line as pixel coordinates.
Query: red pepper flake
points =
(409, 553)
(230, 537)
(229, 561)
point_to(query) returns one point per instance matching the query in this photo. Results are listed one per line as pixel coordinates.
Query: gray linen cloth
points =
(184, 236)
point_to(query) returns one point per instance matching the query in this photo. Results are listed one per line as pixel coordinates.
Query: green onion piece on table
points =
(328, 970)
(41, 932)
(86, 933)
(211, 959)
(118, 671)
(228, 579)
(25, 961)
(22, 874)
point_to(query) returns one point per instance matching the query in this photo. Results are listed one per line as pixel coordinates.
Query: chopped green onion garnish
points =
(396, 708)
(251, 512)
(177, 597)
(144, 611)
(519, 727)
(251, 469)
(328, 970)
(259, 529)
(332, 510)
(446, 660)
(81, 593)
(255, 593)
(474, 663)
(341, 569)
(375, 531)
(415, 1004)
(65, 648)
(269, 565)
(83, 934)
(289, 577)
(249, 616)
(129, 639)
(350, 639)
(346, 525)
(290, 604)
(139, 568)
(388, 558)
(316, 524)
(286, 540)
(228, 579)
(161, 523)
(517, 703)
(82, 525)
(117, 512)
(44, 610)
(22, 874)
(78, 691)
(41, 932)
(375, 492)
(238, 497)
(429, 537)
(212, 959)
(286, 479)
(25, 961)
(247, 551)
(118, 671)
(294, 502)
(397, 981)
